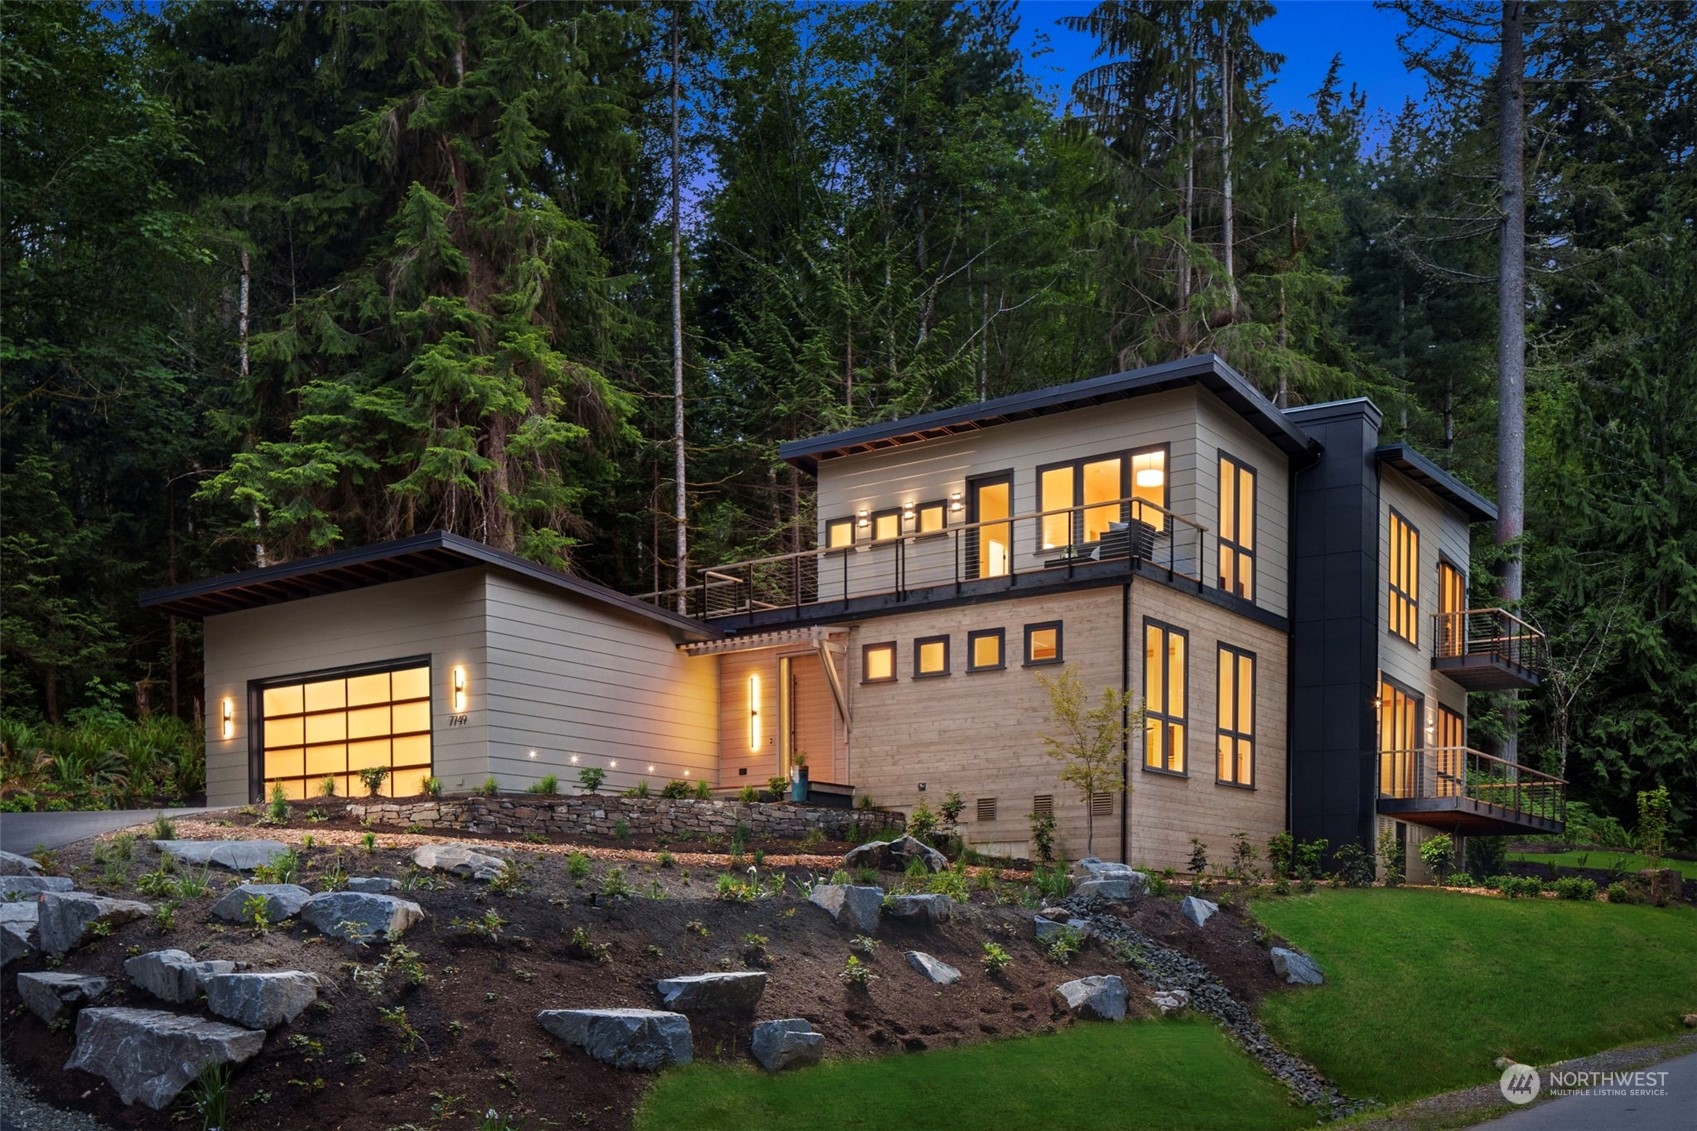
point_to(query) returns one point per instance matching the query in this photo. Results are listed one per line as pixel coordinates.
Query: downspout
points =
(1125, 722)
(1290, 656)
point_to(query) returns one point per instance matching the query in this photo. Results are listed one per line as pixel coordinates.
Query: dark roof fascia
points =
(1435, 479)
(418, 556)
(1206, 370)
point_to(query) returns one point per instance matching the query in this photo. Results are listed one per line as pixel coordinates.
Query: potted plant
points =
(798, 776)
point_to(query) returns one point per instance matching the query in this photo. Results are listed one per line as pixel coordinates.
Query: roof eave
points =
(1421, 469)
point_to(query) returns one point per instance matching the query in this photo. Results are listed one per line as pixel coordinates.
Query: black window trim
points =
(973, 537)
(867, 649)
(1126, 456)
(1184, 720)
(920, 641)
(1391, 581)
(830, 522)
(1060, 644)
(1221, 648)
(972, 637)
(943, 506)
(1223, 456)
(885, 512)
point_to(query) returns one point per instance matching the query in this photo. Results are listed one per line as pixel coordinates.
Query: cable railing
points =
(1494, 633)
(1441, 772)
(1092, 536)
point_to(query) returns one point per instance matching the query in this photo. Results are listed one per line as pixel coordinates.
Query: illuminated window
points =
(839, 532)
(931, 517)
(1165, 677)
(930, 656)
(1043, 643)
(1399, 726)
(1452, 610)
(1404, 579)
(1237, 527)
(984, 650)
(1451, 743)
(331, 727)
(1235, 740)
(886, 524)
(878, 663)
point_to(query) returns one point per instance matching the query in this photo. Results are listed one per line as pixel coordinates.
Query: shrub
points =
(1309, 854)
(666, 860)
(1355, 866)
(950, 883)
(864, 801)
(486, 927)
(1198, 858)
(748, 795)
(372, 777)
(621, 830)
(856, 973)
(590, 778)
(1486, 855)
(1063, 946)
(1244, 856)
(278, 811)
(734, 889)
(995, 959)
(703, 791)
(1391, 855)
(210, 1097)
(1617, 893)
(754, 947)
(1654, 806)
(1042, 836)
(778, 786)
(922, 823)
(548, 786)
(491, 787)
(582, 945)
(1053, 881)
(951, 809)
(1439, 854)
(614, 885)
(1516, 887)
(865, 944)
(577, 866)
(812, 839)
(1461, 880)
(433, 786)
(1573, 887)
(642, 789)
(675, 790)
(327, 787)
(1281, 853)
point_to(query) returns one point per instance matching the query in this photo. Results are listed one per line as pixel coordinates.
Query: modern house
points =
(1284, 595)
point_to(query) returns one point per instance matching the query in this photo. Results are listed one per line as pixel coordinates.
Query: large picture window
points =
(1095, 486)
(1235, 739)
(1237, 527)
(333, 726)
(1404, 586)
(1165, 679)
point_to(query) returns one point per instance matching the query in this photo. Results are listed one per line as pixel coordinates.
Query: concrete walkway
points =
(1674, 1110)
(20, 832)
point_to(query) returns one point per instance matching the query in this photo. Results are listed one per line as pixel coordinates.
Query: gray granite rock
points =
(173, 975)
(927, 908)
(856, 908)
(1170, 1001)
(360, 916)
(149, 1056)
(624, 1038)
(459, 859)
(789, 1043)
(1048, 929)
(18, 931)
(11, 864)
(379, 885)
(235, 855)
(1099, 997)
(28, 887)
(1198, 911)
(894, 855)
(261, 1000)
(935, 969)
(1114, 887)
(736, 991)
(282, 901)
(64, 918)
(52, 994)
(1295, 967)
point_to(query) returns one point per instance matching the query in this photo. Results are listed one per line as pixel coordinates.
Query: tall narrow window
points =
(1399, 721)
(1237, 527)
(990, 545)
(1165, 676)
(1235, 742)
(1452, 610)
(1404, 586)
(1149, 485)
(1451, 753)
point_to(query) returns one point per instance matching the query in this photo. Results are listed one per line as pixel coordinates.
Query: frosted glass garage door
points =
(329, 729)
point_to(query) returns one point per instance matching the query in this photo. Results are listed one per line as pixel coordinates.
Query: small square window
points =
(1043, 805)
(930, 656)
(839, 532)
(986, 808)
(1043, 643)
(886, 525)
(878, 663)
(930, 518)
(984, 650)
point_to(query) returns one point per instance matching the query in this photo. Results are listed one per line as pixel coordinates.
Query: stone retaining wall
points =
(596, 815)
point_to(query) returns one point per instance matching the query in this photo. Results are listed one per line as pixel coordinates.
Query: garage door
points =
(332, 727)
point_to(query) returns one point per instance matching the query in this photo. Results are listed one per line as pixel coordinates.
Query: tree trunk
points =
(1511, 324)
(681, 510)
(1228, 221)
(1186, 206)
(259, 557)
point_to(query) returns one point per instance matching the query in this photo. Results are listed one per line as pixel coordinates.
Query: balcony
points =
(1458, 790)
(1487, 650)
(962, 559)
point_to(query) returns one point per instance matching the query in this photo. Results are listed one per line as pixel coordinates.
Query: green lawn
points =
(1182, 1075)
(1603, 859)
(1426, 988)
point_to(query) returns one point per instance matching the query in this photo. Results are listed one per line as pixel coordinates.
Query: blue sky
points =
(1306, 32)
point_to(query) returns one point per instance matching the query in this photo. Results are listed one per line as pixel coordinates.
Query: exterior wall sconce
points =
(863, 518)
(459, 692)
(754, 709)
(955, 501)
(228, 712)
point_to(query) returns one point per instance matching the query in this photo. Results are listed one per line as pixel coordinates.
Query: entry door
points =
(807, 713)
(991, 546)
(1399, 714)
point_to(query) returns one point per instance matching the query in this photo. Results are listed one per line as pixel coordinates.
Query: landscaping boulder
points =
(935, 969)
(856, 908)
(789, 1043)
(1099, 997)
(282, 901)
(28, 887)
(894, 855)
(150, 1056)
(462, 860)
(64, 918)
(360, 916)
(1170, 1001)
(929, 908)
(17, 931)
(378, 884)
(11, 864)
(1091, 876)
(236, 855)
(52, 994)
(624, 1038)
(734, 992)
(1295, 967)
(1198, 911)
(261, 1001)
(1048, 929)
(172, 975)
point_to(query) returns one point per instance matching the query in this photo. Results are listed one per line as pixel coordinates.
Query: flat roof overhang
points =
(1420, 468)
(1467, 816)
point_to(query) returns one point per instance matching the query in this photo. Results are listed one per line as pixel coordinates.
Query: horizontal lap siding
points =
(567, 676)
(440, 616)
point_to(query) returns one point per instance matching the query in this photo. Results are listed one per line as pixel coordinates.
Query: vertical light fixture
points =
(459, 690)
(229, 716)
(754, 712)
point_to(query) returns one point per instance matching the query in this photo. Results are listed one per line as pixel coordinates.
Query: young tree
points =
(1089, 742)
